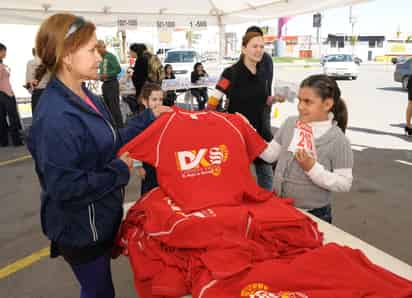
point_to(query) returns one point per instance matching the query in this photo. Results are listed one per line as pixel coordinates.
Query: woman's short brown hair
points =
(248, 36)
(53, 41)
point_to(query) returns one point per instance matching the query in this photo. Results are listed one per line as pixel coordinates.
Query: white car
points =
(182, 61)
(341, 66)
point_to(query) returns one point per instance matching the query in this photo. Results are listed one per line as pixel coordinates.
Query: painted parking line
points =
(404, 162)
(37, 256)
(11, 161)
(25, 262)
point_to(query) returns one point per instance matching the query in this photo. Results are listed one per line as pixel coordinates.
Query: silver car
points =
(402, 72)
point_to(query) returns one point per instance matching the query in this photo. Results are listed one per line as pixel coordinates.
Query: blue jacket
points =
(82, 181)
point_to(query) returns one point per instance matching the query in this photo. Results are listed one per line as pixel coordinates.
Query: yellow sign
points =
(398, 48)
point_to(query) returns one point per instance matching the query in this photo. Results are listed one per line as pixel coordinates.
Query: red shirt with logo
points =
(329, 271)
(202, 159)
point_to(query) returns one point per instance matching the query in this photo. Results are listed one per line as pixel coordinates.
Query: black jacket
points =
(140, 73)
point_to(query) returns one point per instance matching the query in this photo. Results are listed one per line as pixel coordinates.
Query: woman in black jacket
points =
(140, 68)
(199, 93)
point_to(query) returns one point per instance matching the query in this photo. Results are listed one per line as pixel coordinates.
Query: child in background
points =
(314, 157)
(151, 96)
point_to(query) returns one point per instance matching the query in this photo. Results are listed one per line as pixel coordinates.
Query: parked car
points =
(341, 66)
(182, 61)
(402, 72)
(399, 59)
(323, 59)
(161, 53)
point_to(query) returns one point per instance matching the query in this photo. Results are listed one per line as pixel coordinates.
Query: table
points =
(332, 233)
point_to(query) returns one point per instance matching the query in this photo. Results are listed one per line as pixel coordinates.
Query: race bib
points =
(303, 139)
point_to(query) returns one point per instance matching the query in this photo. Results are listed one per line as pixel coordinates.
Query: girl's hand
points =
(127, 159)
(141, 173)
(159, 110)
(305, 160)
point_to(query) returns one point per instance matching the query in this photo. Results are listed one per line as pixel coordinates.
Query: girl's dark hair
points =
(325, 88)
(139, 49)
(196, 65)
(166, 66)
(3, 47)
(147, 89)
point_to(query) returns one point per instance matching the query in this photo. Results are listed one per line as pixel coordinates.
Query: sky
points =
(381, 17)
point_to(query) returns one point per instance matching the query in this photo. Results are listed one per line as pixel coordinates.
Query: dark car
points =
(402, 72)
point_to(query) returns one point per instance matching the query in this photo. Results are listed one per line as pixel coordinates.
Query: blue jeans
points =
(95, 278)
(264, 175)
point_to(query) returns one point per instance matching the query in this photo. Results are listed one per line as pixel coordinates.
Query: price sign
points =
(198, 24)
(303, 139)
(124, 24)
(165, 25)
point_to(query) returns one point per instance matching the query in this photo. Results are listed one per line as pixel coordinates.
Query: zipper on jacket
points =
(92, 222)
(112, 129)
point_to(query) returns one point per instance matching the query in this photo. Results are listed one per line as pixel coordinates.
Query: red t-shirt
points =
(202, 159)
(329, 271)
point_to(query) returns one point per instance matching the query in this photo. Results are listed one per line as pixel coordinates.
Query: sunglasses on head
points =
(77, 24)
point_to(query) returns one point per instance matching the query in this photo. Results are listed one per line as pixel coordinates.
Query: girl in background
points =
(170, 97)
(151, 97)
(199, 93)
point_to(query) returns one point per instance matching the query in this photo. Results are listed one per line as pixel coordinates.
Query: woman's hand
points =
(159, 110)
(305, 160)
(127, 159)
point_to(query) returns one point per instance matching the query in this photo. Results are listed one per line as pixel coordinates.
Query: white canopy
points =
(150, 12)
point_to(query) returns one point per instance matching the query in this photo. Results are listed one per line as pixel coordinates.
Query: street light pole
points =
(352, 22)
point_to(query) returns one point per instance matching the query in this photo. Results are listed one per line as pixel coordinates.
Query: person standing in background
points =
(267, 69)
(140, 68)
(37, 78)
(245, 85)
(408, 126)
(8, 106)
(109, 69)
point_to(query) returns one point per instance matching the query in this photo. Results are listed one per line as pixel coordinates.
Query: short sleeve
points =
(224, 82)
(144, 147)
(342, 154)
(254, 143)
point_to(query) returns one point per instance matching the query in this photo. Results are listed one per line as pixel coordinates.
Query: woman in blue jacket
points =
(73, 142)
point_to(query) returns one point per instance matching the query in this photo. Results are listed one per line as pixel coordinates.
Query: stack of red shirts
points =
(161, 239)
(329, 271)
(279, 226)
